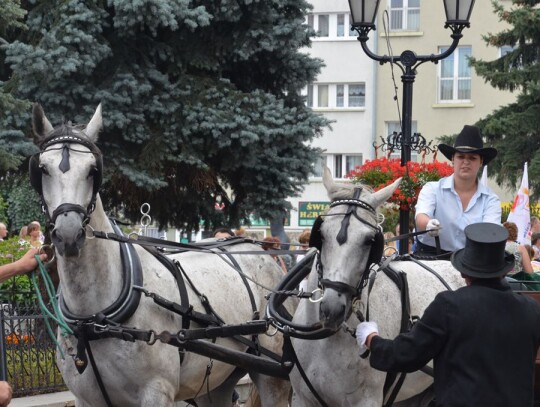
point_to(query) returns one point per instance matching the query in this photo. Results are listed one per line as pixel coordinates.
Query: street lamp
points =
(363, 15)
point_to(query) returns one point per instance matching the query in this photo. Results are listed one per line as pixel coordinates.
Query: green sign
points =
(309, 211)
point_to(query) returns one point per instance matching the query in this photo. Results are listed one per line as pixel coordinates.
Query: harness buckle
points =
(313, 294)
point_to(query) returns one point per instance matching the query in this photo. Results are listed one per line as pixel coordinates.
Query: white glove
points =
(433, 227)
(363, 330)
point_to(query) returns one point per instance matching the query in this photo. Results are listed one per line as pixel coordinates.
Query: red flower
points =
(383, 171)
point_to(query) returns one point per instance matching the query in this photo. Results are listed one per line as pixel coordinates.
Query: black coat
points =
(483, 339)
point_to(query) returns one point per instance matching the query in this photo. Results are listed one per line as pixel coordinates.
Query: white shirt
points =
(439, 200)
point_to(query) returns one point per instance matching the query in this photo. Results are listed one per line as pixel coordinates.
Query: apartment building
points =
(446, 95)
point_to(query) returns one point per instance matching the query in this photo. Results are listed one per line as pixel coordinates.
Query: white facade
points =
(344, 93)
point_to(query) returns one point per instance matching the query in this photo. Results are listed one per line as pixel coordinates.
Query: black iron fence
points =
(27, 352)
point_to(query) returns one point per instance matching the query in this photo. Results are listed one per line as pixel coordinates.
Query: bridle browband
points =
(36, 175)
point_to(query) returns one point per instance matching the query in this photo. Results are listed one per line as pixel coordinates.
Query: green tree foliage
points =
(23, 205)
(200, 99)
(515, 129)
(13, 144)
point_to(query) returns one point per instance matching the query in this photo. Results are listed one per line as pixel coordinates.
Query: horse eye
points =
(43, 169)
(93, 171)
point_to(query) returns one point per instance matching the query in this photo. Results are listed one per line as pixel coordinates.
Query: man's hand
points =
(5, 393)
(433, 227)
(28, 262)
(363, 330)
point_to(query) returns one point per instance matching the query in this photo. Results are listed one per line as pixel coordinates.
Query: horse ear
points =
(334, 190)
(94, 126)
(40, 123)
(382, 195)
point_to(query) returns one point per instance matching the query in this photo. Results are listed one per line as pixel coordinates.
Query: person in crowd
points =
(34, 234)
(303, 239)
(3, 231)
(222, 233)
(523, 261)
(273, 243)
(535, 244)
(535, 225)
(454, 202)
(389, 247)
(240, 232)
(23, 235)
(530, 251)
(25, 264)
(483, 338)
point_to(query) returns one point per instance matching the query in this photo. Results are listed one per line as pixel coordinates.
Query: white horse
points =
(67, 173)
(351, 240)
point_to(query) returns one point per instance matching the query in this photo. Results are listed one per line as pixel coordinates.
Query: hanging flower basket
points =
(381, 172)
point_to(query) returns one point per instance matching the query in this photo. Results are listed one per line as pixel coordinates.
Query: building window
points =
(341, 25)
(336, 95)
(455, 76)
(357, 95)
(324, 25)
(322, 95)
(331, 26)
(339, 164)
(505, 49)
(404, 15)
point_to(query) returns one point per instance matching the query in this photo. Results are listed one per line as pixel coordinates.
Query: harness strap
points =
(184, 311)
(244, 280)
(439, 277)
(400, 280)
(290, 350)
(98, 375)
(172, 267)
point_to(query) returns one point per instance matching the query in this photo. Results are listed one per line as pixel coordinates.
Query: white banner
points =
(484, 179)
(520, 213)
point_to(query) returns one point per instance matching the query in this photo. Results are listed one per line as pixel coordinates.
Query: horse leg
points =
(273, 392)
(221, 395)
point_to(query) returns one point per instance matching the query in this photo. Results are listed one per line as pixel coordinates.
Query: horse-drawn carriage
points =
(128, 299)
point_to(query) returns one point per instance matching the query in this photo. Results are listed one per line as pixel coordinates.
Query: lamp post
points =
(364, 14)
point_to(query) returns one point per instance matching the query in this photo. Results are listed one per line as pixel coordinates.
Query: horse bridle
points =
(36, 174)
(377, 243)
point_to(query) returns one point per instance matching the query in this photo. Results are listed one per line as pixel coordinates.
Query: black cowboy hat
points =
(484, 255)
(469, 141)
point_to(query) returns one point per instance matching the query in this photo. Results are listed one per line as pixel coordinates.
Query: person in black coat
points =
(483, 338)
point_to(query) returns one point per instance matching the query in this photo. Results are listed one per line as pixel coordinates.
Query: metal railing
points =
(27, 352)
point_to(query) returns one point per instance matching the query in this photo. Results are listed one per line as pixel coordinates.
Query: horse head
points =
(350, 242)
(67, 175)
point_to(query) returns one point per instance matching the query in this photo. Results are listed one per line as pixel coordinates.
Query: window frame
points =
(335, 101)
(337, 163)
(456, 57)
(404, 11)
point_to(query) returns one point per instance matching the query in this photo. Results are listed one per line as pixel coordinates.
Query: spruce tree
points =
(515, 129)
(13, 144)
(200, 99)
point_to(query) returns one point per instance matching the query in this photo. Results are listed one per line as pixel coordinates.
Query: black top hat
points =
(469, 141)
(484, 255)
